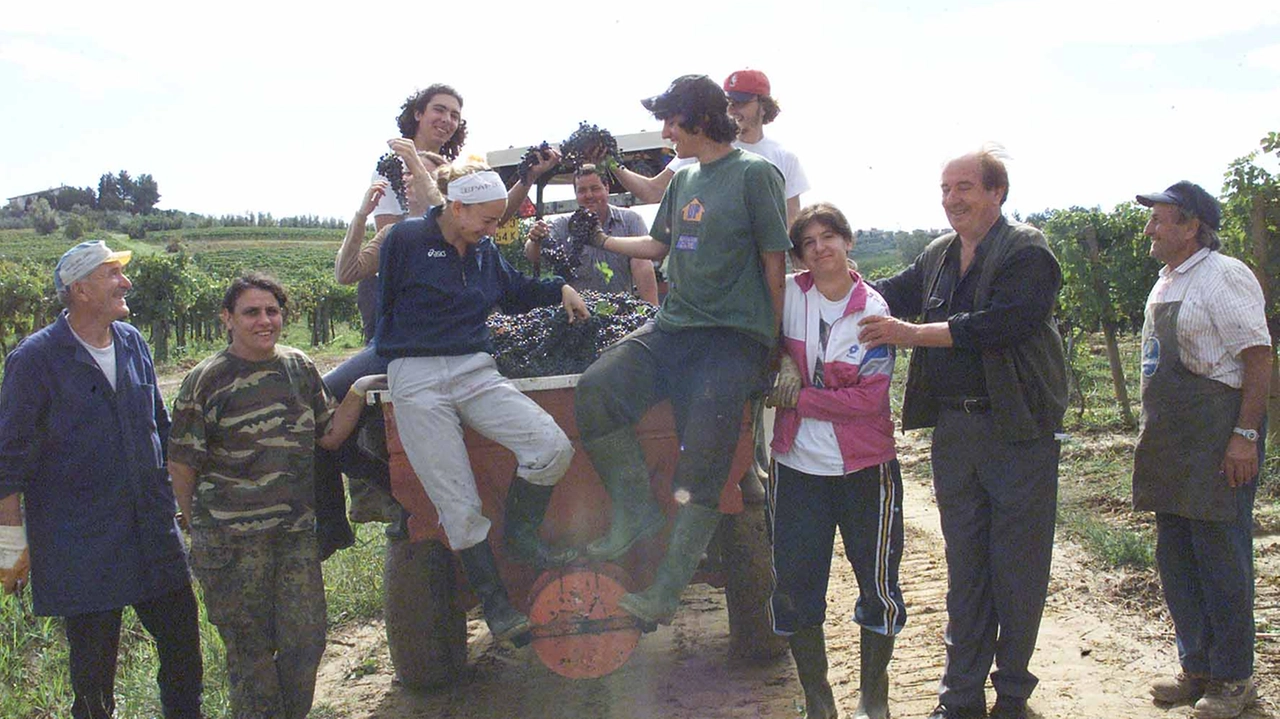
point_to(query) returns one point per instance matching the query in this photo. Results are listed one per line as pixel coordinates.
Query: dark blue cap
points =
(1190, 197)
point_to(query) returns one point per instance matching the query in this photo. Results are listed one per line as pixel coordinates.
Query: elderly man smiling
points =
(82, 433)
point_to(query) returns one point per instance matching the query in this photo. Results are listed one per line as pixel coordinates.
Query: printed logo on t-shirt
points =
(1150, 356)
(692, 212)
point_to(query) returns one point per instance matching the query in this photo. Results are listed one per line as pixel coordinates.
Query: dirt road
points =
(1098, 650)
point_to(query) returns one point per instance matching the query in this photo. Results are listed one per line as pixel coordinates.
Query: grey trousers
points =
(998, 502)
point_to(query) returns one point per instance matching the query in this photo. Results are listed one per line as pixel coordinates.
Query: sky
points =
(238, 107)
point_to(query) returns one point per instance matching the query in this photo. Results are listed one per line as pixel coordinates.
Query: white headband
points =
(484, 186)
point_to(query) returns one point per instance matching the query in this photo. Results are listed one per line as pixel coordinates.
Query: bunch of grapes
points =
(391, 167)
(567, 258)
(533, 156)
(589, 144)
(542, 343)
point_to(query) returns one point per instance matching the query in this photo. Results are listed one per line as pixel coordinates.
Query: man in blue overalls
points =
(1206, 367)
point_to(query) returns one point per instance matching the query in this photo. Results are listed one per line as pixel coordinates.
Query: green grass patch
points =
(34, 683)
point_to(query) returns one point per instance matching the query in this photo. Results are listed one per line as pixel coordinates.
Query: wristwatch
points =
(1249, 434)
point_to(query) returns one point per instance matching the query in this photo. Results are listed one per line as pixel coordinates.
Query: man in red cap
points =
(752, 105)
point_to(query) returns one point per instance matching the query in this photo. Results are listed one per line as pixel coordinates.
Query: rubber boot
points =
(873, 694)
(809, 650)
(482, 573)
(619, 461)
(692, 532)
(526, 505)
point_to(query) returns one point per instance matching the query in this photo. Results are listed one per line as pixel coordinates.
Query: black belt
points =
(968, 405)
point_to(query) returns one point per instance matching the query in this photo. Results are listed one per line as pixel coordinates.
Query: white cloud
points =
(1266, 58)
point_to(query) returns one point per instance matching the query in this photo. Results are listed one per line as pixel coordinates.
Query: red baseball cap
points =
(744, 84)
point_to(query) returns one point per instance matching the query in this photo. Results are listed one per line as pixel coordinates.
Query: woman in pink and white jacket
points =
(834, 464)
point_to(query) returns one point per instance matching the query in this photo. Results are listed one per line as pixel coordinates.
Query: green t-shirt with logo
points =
(249, 431)
(717, 218)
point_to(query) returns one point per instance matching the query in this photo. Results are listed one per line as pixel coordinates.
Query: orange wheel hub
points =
(578, 630)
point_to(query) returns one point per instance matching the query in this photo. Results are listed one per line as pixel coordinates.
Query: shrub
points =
(43, 218)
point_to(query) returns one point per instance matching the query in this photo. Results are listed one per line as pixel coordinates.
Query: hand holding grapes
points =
(573, 304)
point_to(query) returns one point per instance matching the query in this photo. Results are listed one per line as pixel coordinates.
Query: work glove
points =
(786, 387)
(15, 562)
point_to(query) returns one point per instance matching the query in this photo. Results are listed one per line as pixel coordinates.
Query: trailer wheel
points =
(748, 585)
(426, 629)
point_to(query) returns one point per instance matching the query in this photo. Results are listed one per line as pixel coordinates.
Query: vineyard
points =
(179, 277)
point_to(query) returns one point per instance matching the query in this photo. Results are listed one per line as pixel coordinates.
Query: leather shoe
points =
(942, 711)
(1009, 708)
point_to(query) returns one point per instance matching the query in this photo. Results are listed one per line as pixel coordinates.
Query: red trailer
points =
(578, 629)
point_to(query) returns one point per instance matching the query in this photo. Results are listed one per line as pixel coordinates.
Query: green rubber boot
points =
(873, 696)
(526, 506)
(619, 461)
(809, 650)
(692, 532)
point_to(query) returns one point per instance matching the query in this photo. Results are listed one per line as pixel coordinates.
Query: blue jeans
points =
(707, 373)
(1206, 572)
(348, 458)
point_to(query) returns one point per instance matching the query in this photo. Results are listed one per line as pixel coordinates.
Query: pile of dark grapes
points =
(391, 167)
(533, 156)
(566, 258)
(542, 343)
(589, 144)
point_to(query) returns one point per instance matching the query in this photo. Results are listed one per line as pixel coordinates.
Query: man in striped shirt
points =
(1206, 367)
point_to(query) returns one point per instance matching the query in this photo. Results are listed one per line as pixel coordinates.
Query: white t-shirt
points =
(815, 449)
(783, 159)
(105, 357)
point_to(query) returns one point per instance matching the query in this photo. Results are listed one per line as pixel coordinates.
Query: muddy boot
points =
(526, 505)
(809, 650)
(873, 694)
(619, 461)
(482, 573)
(692, 532)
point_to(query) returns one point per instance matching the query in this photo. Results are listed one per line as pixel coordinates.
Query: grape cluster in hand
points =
(542, 343)
(391, 167)
(589, 144)
(566, 258)
(535, 154)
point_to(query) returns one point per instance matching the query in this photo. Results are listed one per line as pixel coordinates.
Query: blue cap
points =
(1190, 197)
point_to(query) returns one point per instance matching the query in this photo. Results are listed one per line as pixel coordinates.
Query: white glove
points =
(13, 542)
(14, 562)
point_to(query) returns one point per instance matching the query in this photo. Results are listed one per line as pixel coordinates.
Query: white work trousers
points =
(434, 397)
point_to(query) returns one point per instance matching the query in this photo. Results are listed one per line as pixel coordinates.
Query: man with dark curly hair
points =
(753, 107)
(722, 227)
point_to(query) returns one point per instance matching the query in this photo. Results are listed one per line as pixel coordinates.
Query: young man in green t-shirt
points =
(722, 222)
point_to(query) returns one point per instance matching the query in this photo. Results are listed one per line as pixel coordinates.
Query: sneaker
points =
(1179, 689)
(1225, 700)
(942, 711)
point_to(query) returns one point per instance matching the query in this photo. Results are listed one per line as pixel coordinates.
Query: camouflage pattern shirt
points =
(249, 430)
